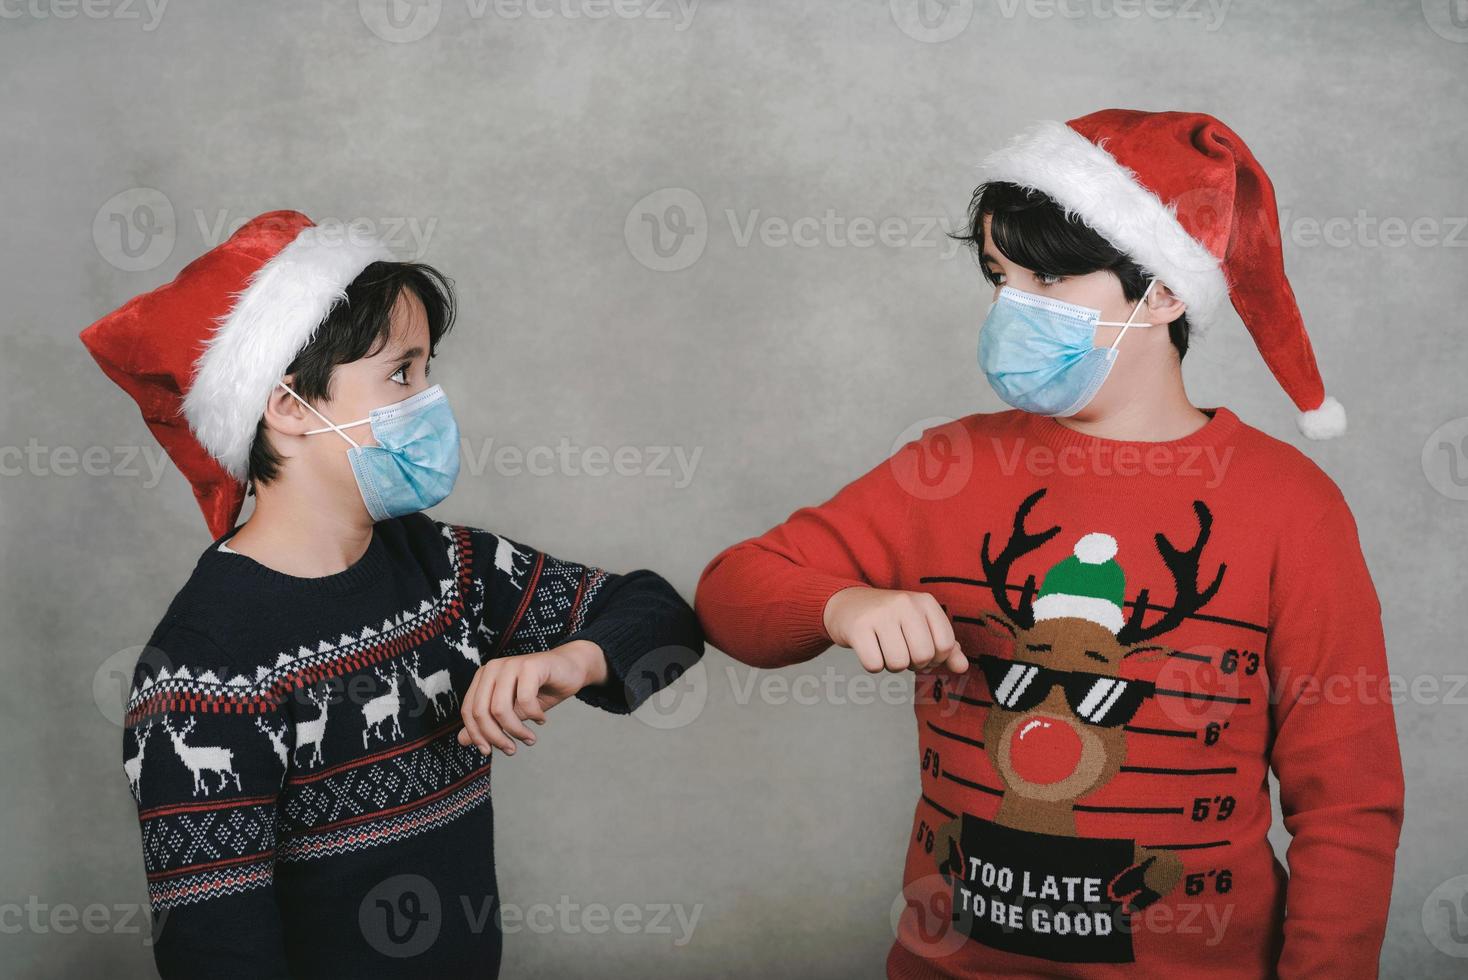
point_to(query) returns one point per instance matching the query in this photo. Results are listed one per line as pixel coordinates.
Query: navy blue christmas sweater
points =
(306, 809)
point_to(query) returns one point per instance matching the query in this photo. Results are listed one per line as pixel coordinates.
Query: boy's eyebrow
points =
(408, 354)
(988, 259)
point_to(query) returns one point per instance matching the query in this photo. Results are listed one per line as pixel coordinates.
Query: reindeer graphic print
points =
(132, 767)
(202, 760)
(436, 685)
(380, 714)
(1054, 733)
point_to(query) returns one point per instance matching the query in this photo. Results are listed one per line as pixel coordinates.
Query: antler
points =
(996, 570)
(1184, 568)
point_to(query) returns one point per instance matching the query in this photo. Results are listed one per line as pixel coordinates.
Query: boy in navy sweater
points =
(311, 726)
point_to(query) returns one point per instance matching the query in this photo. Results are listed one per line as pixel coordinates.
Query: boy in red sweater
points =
(1123, 610)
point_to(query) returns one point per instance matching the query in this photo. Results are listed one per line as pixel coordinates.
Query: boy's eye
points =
(401, 374)
(1046, 279)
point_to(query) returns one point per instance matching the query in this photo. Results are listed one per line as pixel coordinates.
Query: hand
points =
(892, 630)
(509, 691)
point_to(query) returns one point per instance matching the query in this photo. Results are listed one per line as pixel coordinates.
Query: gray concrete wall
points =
(526, 155)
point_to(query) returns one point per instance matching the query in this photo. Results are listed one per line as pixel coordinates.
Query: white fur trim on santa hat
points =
(1326, 422)
(1089, 183)
(275, 316)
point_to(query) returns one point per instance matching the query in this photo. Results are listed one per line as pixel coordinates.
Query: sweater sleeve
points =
(763, 601)
(533, 602)
(1334, 750)
(205, 777)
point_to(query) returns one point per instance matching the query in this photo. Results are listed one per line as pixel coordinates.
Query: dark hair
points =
(1033, 230)
(358, 325)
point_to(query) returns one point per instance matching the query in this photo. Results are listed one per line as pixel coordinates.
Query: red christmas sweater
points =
(1150, 627)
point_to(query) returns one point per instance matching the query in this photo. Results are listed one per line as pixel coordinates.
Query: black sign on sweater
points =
(1041, 894)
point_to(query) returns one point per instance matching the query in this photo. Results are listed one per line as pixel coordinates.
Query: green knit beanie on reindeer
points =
(1087, 584)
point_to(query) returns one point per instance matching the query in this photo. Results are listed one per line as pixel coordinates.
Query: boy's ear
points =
(287, 416)
(1163, 305)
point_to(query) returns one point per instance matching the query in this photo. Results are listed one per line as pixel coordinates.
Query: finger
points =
(471, 734)
(940, 626)
(894, 647)
(919, 637)
(947, 651)
(957, 661)
(868, 651)
(484, 714)
(502, 705)
(527, 702)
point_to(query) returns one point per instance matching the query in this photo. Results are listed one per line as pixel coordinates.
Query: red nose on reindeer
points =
(1044, 749)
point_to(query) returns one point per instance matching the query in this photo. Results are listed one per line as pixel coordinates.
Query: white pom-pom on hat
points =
(1325, 422)
(1096, 548)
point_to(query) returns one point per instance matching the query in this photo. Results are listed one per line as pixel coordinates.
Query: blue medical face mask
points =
(1040, 354)
(416, 459)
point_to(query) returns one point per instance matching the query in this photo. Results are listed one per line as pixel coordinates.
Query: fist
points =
(892, 630)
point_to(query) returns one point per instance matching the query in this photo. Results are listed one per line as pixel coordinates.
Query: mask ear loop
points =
(1129, 324)
(330, 426)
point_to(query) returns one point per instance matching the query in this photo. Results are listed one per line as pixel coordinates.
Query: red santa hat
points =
(1182, 195)
(202, 354)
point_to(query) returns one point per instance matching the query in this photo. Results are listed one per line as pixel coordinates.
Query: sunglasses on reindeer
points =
(1095, 698)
